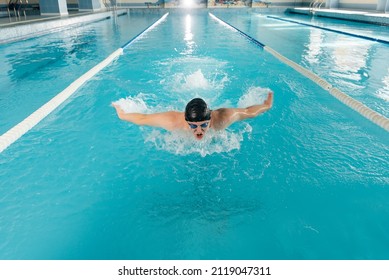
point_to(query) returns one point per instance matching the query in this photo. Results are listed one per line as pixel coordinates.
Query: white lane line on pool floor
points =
(32, 120)
(140, 35)
(9, 137)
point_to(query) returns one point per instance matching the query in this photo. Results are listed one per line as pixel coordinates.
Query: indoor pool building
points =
(306, 180)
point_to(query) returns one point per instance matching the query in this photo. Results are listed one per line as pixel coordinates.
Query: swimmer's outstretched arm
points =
(164, 120)
(255, 110)
(230, 115)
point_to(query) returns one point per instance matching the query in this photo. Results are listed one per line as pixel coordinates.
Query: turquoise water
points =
(33, 71)
(307, 180)
(354, 27)
(356, 66)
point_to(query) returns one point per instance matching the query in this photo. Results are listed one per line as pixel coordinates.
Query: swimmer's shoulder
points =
(221, 118)
(174, 120)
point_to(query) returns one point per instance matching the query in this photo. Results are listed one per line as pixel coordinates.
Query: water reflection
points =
(351, 57)
(188, 37)
(355, 66)
(314, 46)
(384, 91)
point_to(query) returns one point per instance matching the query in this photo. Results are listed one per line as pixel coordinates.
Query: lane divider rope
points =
(357, 106)
(253, 40)
(332, 30)
(13, 134)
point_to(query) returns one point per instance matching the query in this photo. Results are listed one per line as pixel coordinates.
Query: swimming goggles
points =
(194, 126)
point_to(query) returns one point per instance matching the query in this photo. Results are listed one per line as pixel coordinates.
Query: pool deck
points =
(35, 25)
(6, 21)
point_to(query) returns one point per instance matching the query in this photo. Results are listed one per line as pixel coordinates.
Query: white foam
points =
(134, 104)
(197, 80)
(253, 96)
(191, 77)
(183, 143)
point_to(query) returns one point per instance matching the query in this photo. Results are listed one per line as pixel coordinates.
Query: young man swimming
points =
(197, 118)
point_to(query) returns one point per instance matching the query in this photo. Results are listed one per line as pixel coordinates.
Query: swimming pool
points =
(355, 65)
(35, 70)
(307, 180)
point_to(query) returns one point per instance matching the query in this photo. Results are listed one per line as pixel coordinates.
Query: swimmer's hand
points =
(130, 117)
(119, 110)
(269, 101)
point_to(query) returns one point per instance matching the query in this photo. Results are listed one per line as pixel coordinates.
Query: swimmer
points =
(197, 118)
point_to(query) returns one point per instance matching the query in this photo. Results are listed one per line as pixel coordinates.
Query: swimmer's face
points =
(199, 128)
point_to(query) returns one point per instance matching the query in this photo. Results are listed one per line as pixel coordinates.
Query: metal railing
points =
(316, 4)
(13, 8)
(18, 8)
(110, 4)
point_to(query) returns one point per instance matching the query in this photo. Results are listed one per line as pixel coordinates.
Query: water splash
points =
(254, 95)
(196, 81)
(190, 77)
(135, 104)
(183, 143)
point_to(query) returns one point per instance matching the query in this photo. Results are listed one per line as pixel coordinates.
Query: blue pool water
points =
(33, 71)
(356, 66)
(307, 180)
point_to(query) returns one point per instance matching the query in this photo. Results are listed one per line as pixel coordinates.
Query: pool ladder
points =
(316, 4)
(18, 8)
(110, 4)
(14, 7)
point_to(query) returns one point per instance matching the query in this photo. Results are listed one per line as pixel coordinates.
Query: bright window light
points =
(187, 3)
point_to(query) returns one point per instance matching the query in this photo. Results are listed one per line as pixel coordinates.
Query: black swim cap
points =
(197, 111)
